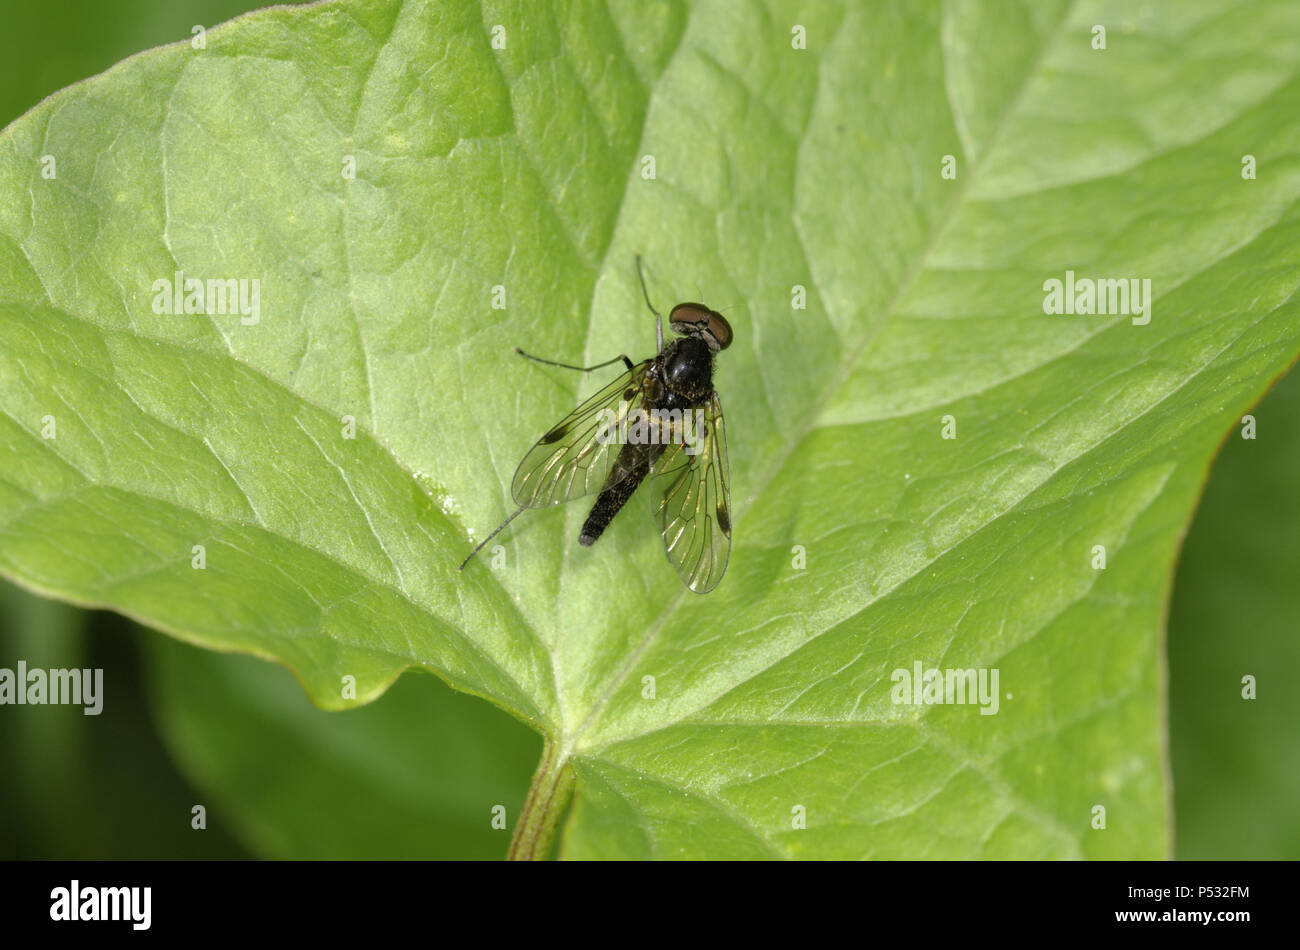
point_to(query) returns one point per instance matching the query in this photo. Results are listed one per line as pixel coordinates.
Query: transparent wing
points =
(693, 504)
(570, 460)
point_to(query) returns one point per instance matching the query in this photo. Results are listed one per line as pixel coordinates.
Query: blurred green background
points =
(416, 773)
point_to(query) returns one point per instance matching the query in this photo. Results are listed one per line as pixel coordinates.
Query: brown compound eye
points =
(720, 329)
(697, 320)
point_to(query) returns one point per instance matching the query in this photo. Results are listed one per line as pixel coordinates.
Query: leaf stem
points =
(548, 794)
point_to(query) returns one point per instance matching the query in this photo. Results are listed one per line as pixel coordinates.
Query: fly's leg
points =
(581, 369)
(498, 530)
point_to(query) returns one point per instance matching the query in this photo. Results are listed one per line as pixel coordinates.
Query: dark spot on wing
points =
(556, 434)
(629, 393)
(724, 519)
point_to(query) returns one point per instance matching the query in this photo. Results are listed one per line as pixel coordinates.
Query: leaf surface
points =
(775, 169)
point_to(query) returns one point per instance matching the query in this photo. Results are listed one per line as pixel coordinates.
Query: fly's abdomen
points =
(635, 460)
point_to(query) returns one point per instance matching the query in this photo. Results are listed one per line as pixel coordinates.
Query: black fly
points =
(660, 418)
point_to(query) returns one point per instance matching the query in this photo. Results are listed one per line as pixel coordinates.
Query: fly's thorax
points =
(686, 369)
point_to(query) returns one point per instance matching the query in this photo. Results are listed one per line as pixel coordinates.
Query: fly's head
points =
(696, 321)
(688, 363)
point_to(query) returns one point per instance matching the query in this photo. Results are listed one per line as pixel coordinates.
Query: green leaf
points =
(417, 775)
(42, 55)
(44, 787)
(775, 168)
(88, 787)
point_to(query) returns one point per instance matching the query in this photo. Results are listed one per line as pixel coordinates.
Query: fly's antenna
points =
(640, 272)
(659, 327)
(482, 543)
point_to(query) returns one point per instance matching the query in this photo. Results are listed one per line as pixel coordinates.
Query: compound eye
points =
(720, 329)
(697, 320)
(693, 315)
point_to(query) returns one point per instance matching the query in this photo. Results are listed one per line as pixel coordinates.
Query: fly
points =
(661, 420)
